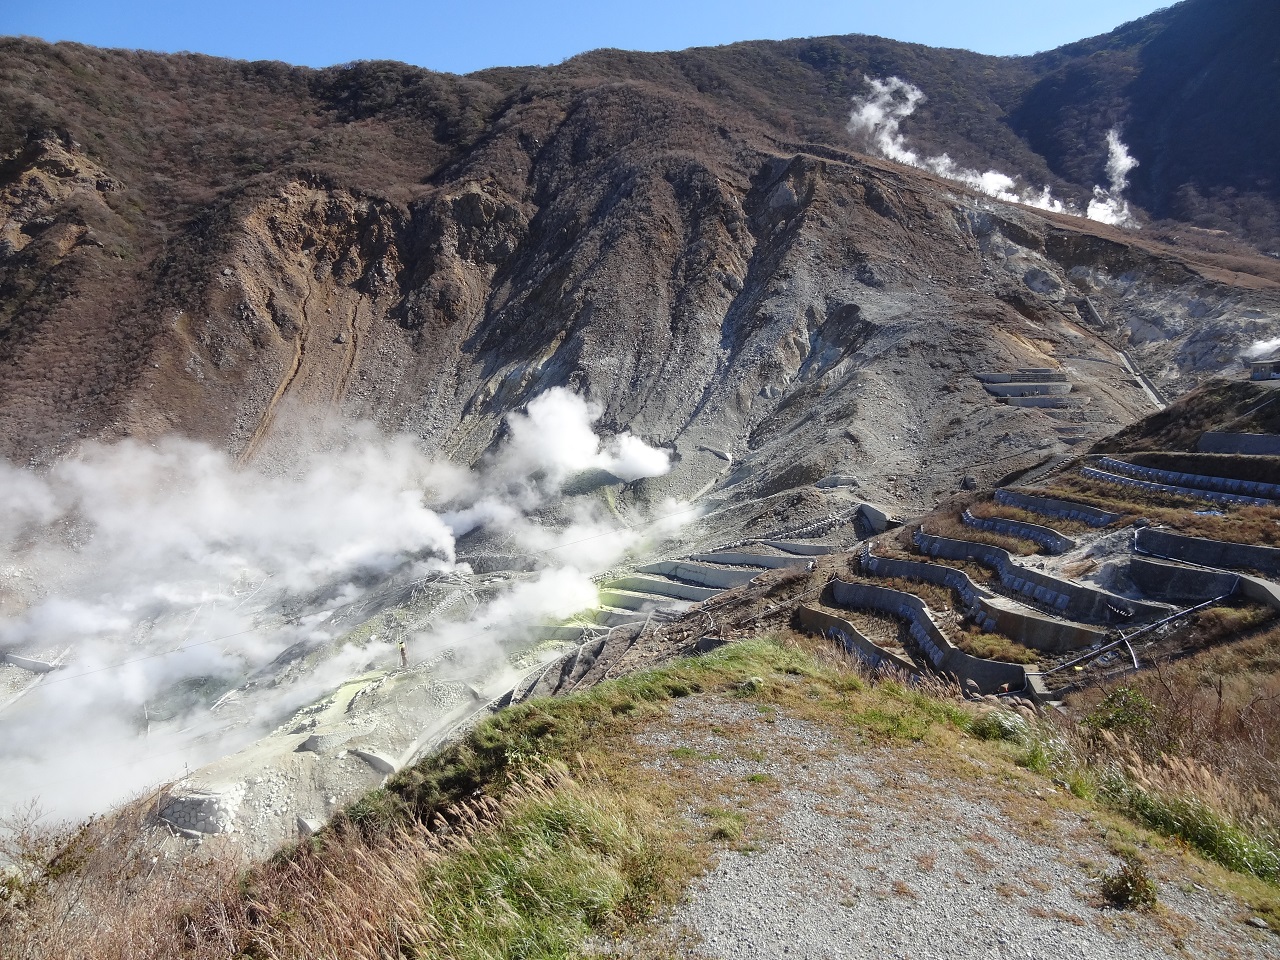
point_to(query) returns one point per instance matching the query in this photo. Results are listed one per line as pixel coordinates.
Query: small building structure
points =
(1266, 367)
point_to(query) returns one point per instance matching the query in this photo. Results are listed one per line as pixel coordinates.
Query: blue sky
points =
(463, 36)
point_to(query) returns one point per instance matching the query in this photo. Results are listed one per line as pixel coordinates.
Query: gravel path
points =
(868, 852)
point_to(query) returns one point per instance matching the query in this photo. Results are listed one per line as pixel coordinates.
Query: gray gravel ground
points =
(866, 852)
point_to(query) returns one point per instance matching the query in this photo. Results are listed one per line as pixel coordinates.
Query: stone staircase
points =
(658, 591)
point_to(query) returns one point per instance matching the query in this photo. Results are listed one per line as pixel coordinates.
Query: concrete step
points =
(607, 616)
(631, 600)
(700, 574)
(764, 561)
(662, 587)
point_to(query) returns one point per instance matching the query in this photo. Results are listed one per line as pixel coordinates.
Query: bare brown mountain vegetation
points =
(192, 244)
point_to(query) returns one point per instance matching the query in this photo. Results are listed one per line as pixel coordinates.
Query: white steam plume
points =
(1108, 205)
(876, 116)
(876, 119)
(1261, 348)
(154, 566)
(555, 437)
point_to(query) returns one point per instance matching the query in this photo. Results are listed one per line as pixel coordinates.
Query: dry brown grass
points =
(102, 890)
(1063, 525)
(950, 525)
(1219, 709)
(1238, 524)
(993, 646)
(939, 598)
(1190, 749)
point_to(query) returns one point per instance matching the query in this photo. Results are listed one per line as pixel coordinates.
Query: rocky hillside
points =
(195, 245)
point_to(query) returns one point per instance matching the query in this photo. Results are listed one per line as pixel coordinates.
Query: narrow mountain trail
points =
(850, 848)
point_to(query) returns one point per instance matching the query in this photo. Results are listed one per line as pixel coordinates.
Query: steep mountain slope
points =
(1187, 86)
(196, 245)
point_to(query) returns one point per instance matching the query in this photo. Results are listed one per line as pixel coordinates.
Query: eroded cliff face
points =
(775, 312)
(774, 318)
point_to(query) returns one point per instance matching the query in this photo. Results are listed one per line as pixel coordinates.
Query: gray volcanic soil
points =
(873, 853)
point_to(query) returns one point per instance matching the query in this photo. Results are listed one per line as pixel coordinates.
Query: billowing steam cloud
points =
(555, 437)
(1108, 205)
(139, 568)
(876, 118)
(1261, 348)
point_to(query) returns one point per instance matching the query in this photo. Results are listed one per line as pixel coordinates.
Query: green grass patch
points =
(559, 867)
(892, 724)
(1199, 824)
(994, 646)
(999, 725)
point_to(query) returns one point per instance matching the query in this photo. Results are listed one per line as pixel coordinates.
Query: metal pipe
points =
(1125, 639)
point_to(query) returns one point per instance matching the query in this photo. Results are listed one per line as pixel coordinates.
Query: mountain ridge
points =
(182, 233)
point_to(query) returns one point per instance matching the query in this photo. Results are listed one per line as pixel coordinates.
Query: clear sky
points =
(461, 36)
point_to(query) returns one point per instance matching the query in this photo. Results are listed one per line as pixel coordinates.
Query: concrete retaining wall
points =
(201, 812)
(990, 676)
(1074, 600)
(703, 575)
(662, 588)
(636, 602)
(26, 663)
(1196, 584)
(1195, 481)
(1033, 630)
(875, 518)
(1049, 507)
(957, 580)
(1249, 444)
(1209, 553)
(1045, 537)
(1179, 584)
(990, 612)
(1155, 487)
(1027, 389)
(1052, 403)
(819, 621)
(801, 549)
(750, 560)
(1029, 375)
(1262, 591)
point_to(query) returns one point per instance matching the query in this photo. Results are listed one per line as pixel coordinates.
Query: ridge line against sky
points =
(455, 38)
